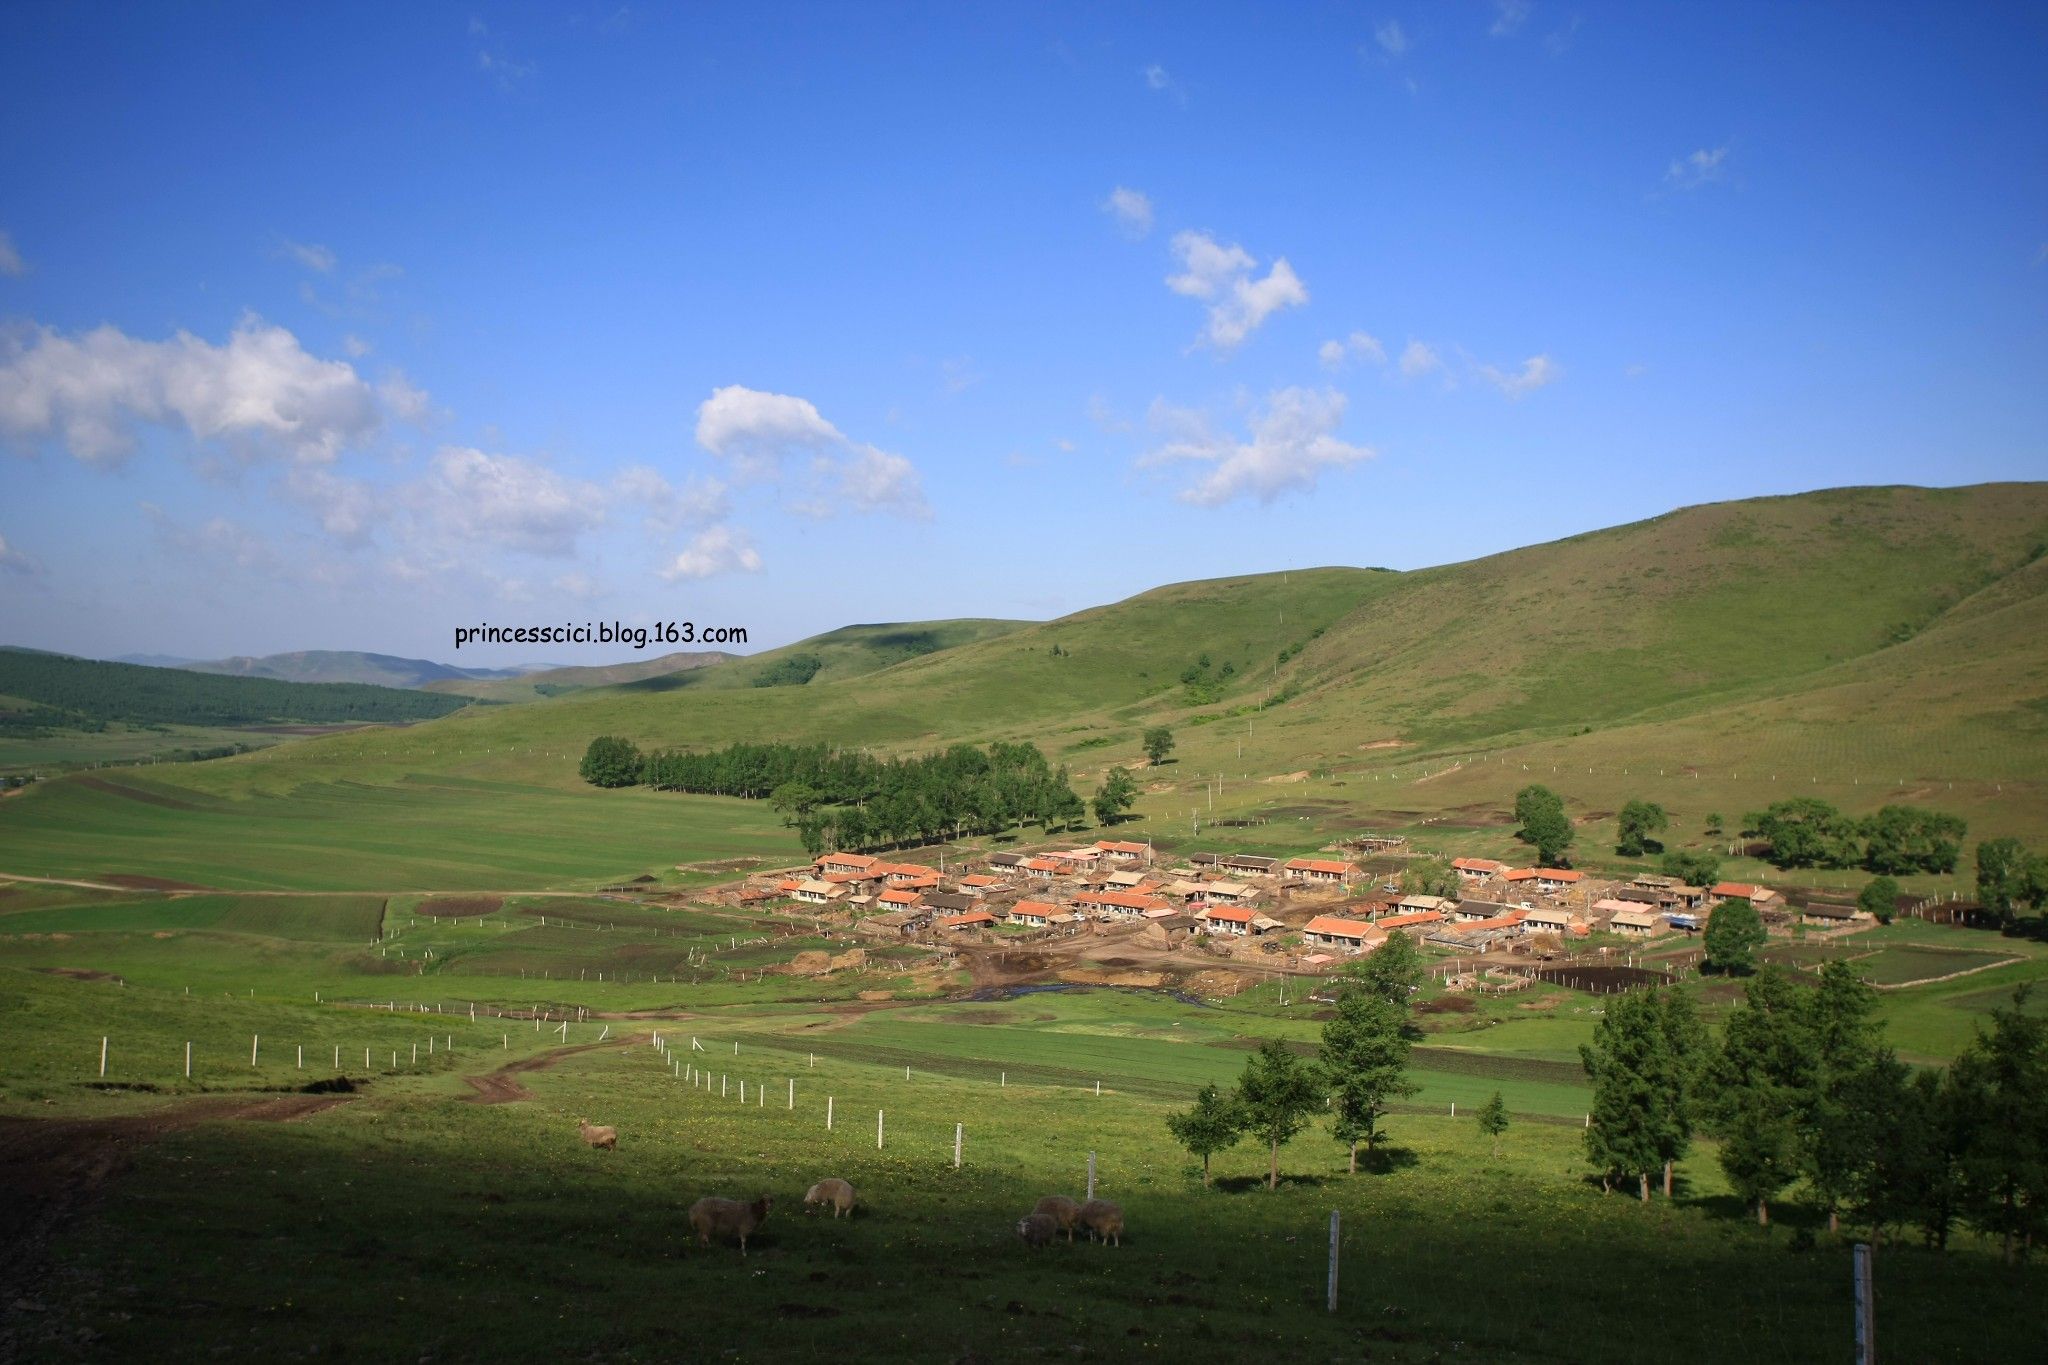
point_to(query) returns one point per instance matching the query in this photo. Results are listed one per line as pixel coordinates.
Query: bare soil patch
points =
(459, 907)
(81, 974)
(1601, 980)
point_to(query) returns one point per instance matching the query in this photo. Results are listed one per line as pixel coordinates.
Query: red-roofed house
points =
(1558, 878)
(899, 898)
(1478, 869)
(1319, 870)
(1515, 876)
(1118, 904)
(980, 884)
(1032, 914)
(1124, 850)
(1415, 925)
(1234, 920)
(1758, 896)
(1345, 935)
(845, 862)
(1045, 867)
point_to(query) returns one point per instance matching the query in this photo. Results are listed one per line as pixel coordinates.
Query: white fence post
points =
(188, 1061)
(878, 1130)
(957, 1131)
(252, 1049)
(828, 1113)
(103, 1058)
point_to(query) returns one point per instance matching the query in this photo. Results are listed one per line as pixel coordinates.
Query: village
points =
(1125, 902)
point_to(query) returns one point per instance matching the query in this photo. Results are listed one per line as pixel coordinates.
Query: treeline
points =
(850, 799)
(1802, 1090)
(1808, 832)
(86, 694)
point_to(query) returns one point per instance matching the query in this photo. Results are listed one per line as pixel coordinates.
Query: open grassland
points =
(411, 1221)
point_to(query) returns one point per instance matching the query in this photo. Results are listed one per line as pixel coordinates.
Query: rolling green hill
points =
(1862, 644)
(553, 682)
(347, 666)
(57, 692)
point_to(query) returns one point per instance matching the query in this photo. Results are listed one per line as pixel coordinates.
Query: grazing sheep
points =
(712, 1216)
(1103, 1219)
(603, 1137)
(1062, 1210)
(1037, 1229)
(834, 1192)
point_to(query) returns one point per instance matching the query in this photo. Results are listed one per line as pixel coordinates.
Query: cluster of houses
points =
(1238, 896)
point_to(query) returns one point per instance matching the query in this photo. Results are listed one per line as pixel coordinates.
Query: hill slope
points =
(553, 682)
(56, 692)
(345, 666)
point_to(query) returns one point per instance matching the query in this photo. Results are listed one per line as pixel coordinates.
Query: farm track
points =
(51, 1170)
(504, 1087)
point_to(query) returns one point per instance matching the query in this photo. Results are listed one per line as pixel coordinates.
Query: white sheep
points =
(603, 1137)
(712, 1216)
(834, 1192)
(1062, 1210)
(1104, 1220)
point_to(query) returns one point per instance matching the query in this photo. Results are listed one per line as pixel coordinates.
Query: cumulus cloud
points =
(1131, 209)
(404, 399)
(260, 393)
(11, 264)
(1358, 346)
(1419, 358)
(1290, 443)
(1535, 372)
(762, 435)
(506, 501)
(1225, 277)
(355, 346)
(716, 550)
(1391, 37)
(668, 508)
(349, 510)
(1700, 168)
(310, 255)
(1508, 17)
(16, 562)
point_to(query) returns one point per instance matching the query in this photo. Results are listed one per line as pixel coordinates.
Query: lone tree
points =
(2009, 877)
(611, 761)
(1212, 1125)
(1694, 869)
(1640, 822)
(1879, 899)
(1734, 932)
(1392, 972)
(1117, 794)
(1276, 1094)
(1158, 744)
(1540, 813)
(1365, 1061)
(1429, 877)
(1493, 1119)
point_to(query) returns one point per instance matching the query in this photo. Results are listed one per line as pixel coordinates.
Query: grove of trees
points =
(1806, 831)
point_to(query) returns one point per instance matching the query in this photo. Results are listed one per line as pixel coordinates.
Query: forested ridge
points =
(65, 693)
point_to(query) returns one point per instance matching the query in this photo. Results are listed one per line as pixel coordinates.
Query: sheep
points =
(1037, 1229)
(1104, 1219)
(727, 1218)
(605, 1138)
(1062, 1210)
(834, 1192)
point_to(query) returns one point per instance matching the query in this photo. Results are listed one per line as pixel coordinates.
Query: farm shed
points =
(1251, 865)
(1465, 911)
(973, 919)
(1226, 893)
(1168, 932)
(1634, 921)
(811, 891)
(895, 924)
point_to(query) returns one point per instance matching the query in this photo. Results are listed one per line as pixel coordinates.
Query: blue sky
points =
(342, 327)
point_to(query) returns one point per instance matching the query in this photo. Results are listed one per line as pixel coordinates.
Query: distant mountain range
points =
(333, 666)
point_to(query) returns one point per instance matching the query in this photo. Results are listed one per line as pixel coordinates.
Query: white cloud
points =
(957, 373)
(348, 510)
(505, 501)
(1536, 372)
(355, 346)
(1390, 36)
(404, 399)
(720, 549)
(11, 264)
(1508, 17)
(310, 255)
(1359, 345)
(1700, 168)
(260, 392)
(216, 542)
(15, 562)
(1131, 209)
(759, 432)
(1105, 416)
(667, 508)
(1418, 358)
(1291, 442)
(1223, 276)
(1156, 78)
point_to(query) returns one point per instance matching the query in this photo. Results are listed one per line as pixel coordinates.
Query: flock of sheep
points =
(730, 1220)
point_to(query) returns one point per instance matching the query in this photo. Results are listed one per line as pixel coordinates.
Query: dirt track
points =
(52, 1169)
(503, 1085)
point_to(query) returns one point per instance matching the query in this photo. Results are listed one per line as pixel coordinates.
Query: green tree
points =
(2008, 877)
(1762, 1082)
(1429, 877)
(1493, 1119)
(1158, 744)
(1841, 1017)
(1694, 869)
(1903, 839)
(1638, 1091)
(1276, 1094)
(611, 761)
(1117, 794)
(2002, 1080)
(1879, 899)
(1393, 971)
(1639, 824)
(1540, 813)
(1365, 1062)
(1734, 933)
(1759, 1155)
(1692, 1051)
(1715, 823)
(1806, 831)
(1213, 1124)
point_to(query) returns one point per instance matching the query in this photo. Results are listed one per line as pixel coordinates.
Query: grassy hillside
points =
(56, 692)
(849, 652)
(346, 666)
(553, 682)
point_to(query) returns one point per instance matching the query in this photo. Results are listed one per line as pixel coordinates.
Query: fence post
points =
(252, 1049)
(958, 1128)
(828, 1113)
(103, 1058)
(1866, 1308)
(188, 1061)
(878, 1130)
(1091, 1175)
(792, 1092)
(1335, 1223)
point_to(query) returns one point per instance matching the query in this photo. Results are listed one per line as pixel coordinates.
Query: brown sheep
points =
(712, 1216)
(604, 1137)
(1062, 1210)
(1103, 1219)
(1037, 1229)
(835, 1192)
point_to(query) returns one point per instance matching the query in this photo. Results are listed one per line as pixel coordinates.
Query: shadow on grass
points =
(1239, 1184)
